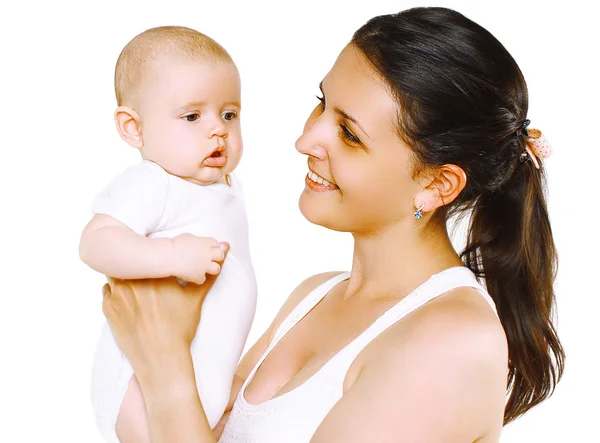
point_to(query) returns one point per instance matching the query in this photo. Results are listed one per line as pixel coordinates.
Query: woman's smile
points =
(316, 183)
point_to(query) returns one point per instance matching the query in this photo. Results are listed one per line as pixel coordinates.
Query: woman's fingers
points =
(106, 291)
(120, 294)
(149, 318)
(106, 301)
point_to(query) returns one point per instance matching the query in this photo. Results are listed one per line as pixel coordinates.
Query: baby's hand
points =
(194, 257)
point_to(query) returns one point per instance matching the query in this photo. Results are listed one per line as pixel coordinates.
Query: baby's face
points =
(190, 119)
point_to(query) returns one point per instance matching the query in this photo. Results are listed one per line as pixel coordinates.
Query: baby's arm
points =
(113, 249)
(115, 241)
(110, 247)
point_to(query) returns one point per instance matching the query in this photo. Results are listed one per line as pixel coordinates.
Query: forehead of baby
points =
(175, 84)
(173, 64)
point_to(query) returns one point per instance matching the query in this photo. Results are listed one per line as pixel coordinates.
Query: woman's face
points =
(351, 141)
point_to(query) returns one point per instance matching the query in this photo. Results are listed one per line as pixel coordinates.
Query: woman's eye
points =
(349, 136)
(192, 117)
(229, 115)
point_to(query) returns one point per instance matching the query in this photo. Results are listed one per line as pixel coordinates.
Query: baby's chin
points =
(202, 175)
(207, 176)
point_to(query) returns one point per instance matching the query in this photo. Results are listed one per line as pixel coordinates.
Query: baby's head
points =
(178, 96)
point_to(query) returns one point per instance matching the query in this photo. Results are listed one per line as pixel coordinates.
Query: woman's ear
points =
(441, 188)
(129, 126)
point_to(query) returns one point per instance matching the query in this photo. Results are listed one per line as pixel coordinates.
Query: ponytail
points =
(462, 100)
(510, 245)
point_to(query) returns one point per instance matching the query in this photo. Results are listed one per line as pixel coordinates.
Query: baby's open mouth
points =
(217, 158)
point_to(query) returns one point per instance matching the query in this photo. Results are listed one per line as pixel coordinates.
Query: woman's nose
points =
(312, 140)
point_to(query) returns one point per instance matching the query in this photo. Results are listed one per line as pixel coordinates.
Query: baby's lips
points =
(216, 161)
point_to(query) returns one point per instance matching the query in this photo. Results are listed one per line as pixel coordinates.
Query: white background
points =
(58, 147)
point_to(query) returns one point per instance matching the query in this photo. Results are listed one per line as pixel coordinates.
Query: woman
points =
(423, 116)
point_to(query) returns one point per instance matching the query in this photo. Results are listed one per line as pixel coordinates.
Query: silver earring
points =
(418, 213)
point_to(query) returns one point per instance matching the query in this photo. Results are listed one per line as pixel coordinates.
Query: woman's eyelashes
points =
(348, 135)
(345, 132)
(322, 100)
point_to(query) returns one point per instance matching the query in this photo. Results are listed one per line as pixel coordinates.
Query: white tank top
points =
(294, 416)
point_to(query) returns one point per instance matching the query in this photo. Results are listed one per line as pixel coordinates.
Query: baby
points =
(178, 94)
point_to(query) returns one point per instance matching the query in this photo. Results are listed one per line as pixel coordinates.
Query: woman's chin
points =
(318, 215)
(311, 210)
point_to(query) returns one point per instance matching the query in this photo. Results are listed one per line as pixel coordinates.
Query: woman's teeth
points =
(320, 180)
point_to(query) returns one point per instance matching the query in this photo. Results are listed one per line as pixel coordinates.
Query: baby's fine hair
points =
(144, 51)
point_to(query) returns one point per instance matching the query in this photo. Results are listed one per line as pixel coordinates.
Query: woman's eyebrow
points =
(344, 114)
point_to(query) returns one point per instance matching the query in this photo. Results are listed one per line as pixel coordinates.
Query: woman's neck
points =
(393, 262)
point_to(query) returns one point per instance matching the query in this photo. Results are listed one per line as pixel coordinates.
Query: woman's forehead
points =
(353, 85)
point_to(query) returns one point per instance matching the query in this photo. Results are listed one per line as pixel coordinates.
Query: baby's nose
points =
(218, 128)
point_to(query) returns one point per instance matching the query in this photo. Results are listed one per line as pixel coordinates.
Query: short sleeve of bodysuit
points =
(136, 198)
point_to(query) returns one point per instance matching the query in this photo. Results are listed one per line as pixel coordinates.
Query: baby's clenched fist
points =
(194, 257)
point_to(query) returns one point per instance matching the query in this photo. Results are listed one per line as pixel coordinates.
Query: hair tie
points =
(536, 145)
(523, 129)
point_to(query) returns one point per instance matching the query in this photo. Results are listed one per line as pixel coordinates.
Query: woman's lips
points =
(314, 186)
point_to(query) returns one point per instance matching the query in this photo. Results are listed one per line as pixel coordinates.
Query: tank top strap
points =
(435, 286)
(305, 306)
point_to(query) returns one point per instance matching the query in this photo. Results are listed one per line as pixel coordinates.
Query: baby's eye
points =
(229, 115)
(191, 117)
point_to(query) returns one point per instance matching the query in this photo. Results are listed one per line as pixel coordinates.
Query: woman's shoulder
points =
(298, 294)
(443, 364)
(457, 333)
(459, 320)
(451, 353)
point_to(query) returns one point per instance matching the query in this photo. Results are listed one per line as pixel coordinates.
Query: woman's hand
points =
(154, 323)
(155, 320)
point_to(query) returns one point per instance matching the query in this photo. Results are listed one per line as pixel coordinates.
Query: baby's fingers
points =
(218, 257)
(198, 280)
(213, 268)
(210, 278)
(219, 252)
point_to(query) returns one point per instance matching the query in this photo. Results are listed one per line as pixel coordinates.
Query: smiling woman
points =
(60, 149)
(351, 140)
(422, 117)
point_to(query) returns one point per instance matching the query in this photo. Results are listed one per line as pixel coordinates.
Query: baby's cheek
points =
(235, 144)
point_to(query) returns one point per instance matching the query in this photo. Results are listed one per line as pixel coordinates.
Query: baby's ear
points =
(128, 125)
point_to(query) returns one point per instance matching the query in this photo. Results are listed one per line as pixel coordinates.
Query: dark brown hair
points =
(463, 101)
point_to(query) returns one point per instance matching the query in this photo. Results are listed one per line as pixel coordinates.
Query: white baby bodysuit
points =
(154, 203)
